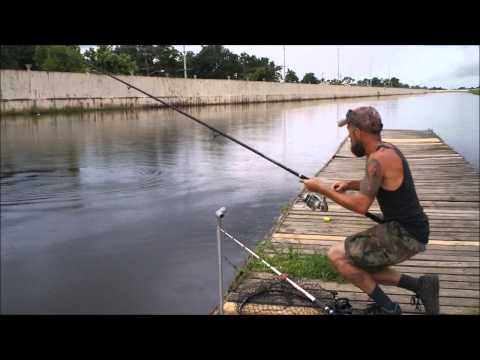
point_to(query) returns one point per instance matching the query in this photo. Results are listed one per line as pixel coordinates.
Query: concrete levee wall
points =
(38, 91)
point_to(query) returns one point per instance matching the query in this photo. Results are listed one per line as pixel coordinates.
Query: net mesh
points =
(277, 296)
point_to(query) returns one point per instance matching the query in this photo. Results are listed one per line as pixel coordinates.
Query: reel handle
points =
(323, 206)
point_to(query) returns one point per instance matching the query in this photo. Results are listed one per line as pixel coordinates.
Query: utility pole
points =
(283, 63)
(184, 63)
(338, 63)
(370, 72)
(389, 78)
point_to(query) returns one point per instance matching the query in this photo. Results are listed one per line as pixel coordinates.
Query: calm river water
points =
(114, 213)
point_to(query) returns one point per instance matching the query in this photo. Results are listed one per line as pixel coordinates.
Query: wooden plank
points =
(423, 140)
(421, 256)
(259, 309)
(350, 224)
(438, 254)
(426, 262)
(432, 236)
(472, 250)
(436, 270)
(434, 217)
(341, 238)
(454, 278)
(446, 281)
(303, 236)
(432, 214)
(435, 225)
(313, 230)
(441, 226)
(333, 224)
(390, 290)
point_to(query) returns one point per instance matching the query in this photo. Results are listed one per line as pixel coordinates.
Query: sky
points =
(441, 66)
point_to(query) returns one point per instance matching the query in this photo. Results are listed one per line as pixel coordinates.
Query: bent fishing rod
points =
(308, 199)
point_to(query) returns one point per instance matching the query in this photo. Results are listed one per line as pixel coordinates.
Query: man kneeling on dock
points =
(364, 258)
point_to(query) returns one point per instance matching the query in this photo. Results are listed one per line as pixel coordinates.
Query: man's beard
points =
(357, 148)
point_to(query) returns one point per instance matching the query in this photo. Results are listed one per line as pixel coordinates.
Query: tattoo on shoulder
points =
(372, 181)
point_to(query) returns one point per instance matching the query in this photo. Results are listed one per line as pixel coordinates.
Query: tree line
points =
(212, 62)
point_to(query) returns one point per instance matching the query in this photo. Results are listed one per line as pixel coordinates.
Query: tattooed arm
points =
(360, 201)
(372, 181)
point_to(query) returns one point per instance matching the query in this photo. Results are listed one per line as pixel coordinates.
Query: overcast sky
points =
(445, 66)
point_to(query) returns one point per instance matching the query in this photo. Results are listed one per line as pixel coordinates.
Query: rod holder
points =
(220, 213)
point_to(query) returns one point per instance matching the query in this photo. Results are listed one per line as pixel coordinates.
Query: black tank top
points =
(402, 205)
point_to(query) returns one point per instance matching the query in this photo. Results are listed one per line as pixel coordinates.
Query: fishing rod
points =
(311, 200)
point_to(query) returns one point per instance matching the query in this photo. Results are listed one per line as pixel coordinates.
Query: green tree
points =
(364, 82)
(291, 77)
(168, 59)
(394, 82)
(216, 62)
(246, 63)
(335, 82)
(257, 69)
(105, 58)
(154, 59)
(376, 82)
(259, 74)
(310, 78)
(348, 80)
(17, 56)
(66, 58)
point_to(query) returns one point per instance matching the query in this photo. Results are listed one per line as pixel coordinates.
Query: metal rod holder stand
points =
(220, 213)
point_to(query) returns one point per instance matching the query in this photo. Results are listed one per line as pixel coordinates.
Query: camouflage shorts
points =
(381, 246)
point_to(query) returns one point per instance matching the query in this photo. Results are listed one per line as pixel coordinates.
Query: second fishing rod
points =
(310, 200)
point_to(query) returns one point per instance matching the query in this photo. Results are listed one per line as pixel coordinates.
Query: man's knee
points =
(336, 252)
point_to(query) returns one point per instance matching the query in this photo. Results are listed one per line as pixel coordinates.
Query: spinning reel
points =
(338, 306)
(315, 202)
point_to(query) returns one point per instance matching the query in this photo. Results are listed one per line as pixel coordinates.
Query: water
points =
(113, 213)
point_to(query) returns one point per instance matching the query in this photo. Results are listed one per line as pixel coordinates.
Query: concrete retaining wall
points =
(30, 91)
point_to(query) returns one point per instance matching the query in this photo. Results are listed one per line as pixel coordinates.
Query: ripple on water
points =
(33, 186)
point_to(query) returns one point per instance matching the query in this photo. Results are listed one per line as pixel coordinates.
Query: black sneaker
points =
(428, 292)
(375, 309)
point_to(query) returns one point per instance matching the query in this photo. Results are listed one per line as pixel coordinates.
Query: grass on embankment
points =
(475, 91)
(293, 263)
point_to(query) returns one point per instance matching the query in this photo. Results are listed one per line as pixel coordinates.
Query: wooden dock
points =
(448, 189)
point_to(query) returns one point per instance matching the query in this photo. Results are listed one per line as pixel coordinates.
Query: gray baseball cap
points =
(365, 118)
